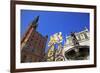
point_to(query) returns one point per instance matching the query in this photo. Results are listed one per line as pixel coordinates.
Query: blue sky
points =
(51, 22)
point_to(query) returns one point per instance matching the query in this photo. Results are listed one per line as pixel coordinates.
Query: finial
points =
(86, 29)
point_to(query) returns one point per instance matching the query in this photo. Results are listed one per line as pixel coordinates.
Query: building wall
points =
(33, 45)
(83, 39)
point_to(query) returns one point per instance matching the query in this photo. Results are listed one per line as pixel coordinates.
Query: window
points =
(82, 36)
(85, 34)
(78, 37)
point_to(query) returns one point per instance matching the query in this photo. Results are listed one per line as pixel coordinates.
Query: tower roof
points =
(34, 25)
(35, 22)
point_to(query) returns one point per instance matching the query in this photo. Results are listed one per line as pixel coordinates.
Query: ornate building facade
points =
(33, 44)
(55, 49)
(77, 45)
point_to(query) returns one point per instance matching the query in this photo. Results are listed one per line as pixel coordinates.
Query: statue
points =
(74, 39)
(55, 53)
(56, 38)
(75, 42)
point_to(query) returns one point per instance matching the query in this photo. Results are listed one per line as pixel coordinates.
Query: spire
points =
(86, 29)
(35, 22)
